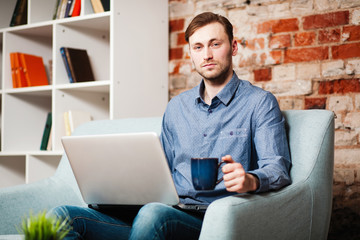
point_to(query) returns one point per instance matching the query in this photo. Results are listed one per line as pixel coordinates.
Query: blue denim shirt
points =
(243, 121)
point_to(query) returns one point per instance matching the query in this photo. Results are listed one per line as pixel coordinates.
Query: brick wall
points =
(306, 52)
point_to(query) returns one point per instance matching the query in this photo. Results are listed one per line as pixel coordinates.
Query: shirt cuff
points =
(263, 181)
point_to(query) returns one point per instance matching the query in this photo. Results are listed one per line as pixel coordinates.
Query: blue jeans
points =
(152, 221)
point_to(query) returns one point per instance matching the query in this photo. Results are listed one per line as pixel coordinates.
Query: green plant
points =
(42, 227)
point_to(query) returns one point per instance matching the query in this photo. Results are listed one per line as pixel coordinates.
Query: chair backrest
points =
(311, 142)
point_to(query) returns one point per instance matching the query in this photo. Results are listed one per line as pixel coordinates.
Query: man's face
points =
(211, 52)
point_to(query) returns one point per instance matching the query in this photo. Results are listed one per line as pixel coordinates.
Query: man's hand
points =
(236, 179)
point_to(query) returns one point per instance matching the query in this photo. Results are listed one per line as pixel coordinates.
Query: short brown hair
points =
(206, 18)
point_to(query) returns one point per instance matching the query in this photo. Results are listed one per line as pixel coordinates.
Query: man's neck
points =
(212, 88)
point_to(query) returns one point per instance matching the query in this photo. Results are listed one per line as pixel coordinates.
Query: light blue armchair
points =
(299, 211)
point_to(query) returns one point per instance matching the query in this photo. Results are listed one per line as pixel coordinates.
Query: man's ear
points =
(234, 47)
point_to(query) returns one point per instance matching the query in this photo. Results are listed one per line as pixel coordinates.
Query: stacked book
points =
(27, 70)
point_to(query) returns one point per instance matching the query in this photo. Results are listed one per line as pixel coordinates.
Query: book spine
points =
(77, 8)
(68, 8)
(67, 124)
(66, 63)
(13, 70)
(21, 79)
(56, 9)
(71, 67)
(15, 13)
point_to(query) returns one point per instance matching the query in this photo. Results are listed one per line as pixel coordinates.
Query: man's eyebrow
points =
(211, 40)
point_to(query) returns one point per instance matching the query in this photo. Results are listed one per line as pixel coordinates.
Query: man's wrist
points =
(255, 182)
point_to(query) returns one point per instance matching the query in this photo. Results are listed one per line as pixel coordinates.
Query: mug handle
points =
(220, 179)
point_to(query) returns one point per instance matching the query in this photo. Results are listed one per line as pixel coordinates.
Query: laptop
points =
(121, 169)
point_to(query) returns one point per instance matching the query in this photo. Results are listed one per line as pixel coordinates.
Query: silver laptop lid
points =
(121, 169)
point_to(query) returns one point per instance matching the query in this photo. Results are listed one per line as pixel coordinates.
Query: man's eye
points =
(216, 44)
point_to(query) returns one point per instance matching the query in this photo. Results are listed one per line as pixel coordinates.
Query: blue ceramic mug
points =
(204, 172)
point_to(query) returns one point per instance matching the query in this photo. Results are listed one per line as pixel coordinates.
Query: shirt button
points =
(205, 135)
(210, 111)
(231, 133)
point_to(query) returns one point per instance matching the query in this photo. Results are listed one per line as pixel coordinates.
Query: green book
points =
(46, 134)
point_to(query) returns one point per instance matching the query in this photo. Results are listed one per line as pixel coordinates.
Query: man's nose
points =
(207, 53)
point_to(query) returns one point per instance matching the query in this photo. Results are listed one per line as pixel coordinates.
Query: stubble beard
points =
(223, 71)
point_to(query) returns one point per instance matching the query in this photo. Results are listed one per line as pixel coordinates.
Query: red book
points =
(77, 8)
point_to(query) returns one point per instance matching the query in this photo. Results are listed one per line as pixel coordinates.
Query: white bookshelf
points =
(128, 51)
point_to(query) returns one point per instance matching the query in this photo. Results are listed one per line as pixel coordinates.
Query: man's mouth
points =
(205, 65)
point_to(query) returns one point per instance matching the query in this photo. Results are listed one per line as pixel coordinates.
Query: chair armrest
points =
(283, 214)
(17, 202)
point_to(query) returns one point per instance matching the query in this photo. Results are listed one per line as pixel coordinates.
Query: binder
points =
(34, 70)
(13, 70)
(27, 70)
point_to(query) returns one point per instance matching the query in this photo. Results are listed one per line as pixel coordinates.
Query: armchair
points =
(299, 211)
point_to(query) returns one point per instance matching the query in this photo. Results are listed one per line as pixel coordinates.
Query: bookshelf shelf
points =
(129, 59)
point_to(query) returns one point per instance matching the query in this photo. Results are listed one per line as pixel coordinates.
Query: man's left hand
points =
(236, 179)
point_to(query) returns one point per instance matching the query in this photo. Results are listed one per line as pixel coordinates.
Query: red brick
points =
(329, 35)
(262, 74)
(175, 53)
(181, 39)
(304, 38)
(326, 20)
(276, 56)
(176, 25)
(280, 41)
(176, 69)
(306, 54)
(344, 51)
(315, 103)
(277, 26)
(340, 86)
(353, 31)
(255, 44)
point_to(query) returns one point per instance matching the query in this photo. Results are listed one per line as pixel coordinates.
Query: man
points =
(222, 117)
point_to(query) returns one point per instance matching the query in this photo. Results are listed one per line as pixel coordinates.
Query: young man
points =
(222, 117)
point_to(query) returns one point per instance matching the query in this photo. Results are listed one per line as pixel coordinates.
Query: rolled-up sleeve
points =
(270, 146)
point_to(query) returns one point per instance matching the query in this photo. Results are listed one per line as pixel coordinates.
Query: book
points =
(68, 8)
(46, 133)
(74, 118)
(57, 4)
(97, 6)
(66, 64)
(49, 145)
(19, 16)
(106, 5)
(77, 8)
(34, 70)
(77, 64)
(61, 9)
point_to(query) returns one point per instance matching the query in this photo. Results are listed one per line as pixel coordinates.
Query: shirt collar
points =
(225, 95)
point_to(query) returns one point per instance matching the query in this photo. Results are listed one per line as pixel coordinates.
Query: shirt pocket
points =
(237, 143)
(234, 133)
